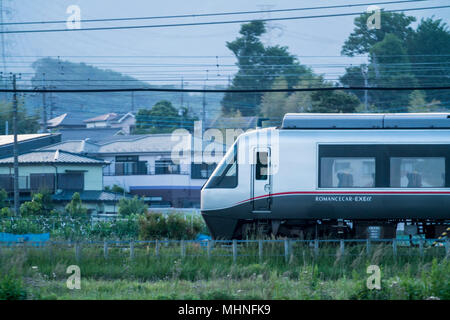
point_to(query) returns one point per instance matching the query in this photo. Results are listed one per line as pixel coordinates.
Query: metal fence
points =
(260, 249)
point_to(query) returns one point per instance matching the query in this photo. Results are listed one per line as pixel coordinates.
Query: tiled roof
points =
(132, 144)
(87, 195)
(66, 119)
(103, 117)
(90, 195)
(53, 157)
(74, 146)
(8, 139)
(94, 134)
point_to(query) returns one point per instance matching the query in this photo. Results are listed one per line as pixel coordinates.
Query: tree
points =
(333, 102)
(132, 206)
(362, 39)
(429, 49)
(273, 105)
(75, 207)
(40, 205)
(258, 67)
(390, 67)
(25, 123)
(162, 118)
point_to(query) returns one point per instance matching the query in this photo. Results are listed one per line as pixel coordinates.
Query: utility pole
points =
(204, 111)
(182, 93)
(366, 84)
(15, 150)
(44, 106)
(132, 101)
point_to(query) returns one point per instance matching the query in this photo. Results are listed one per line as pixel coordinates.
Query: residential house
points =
(152, 166)
(61, 173)
(125, 122)
(26, 142)
(65, 121)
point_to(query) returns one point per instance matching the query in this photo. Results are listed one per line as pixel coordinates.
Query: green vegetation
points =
(75, 207)
(397, 56)
(304, 276)
(163, 118)
(26, 122)
(133, 226)
(173, 226)
(132, 206)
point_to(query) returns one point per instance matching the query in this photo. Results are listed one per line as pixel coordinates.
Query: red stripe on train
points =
(345, 192)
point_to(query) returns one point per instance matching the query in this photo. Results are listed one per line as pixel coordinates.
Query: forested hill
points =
(58, 74)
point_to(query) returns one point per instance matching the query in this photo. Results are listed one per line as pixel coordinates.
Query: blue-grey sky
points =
(315, 37)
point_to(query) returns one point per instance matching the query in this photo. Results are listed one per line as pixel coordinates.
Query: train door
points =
(261, 180)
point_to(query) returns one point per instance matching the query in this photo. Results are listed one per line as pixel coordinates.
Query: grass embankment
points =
(40, 273)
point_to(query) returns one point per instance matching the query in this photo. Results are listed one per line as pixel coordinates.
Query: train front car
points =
(334, 175)
(235, 194)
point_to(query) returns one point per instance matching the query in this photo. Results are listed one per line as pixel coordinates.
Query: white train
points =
(334, 175)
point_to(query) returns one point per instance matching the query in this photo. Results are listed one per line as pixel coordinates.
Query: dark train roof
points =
(366, 121)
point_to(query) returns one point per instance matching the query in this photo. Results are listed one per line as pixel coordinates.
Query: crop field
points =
(221, 270)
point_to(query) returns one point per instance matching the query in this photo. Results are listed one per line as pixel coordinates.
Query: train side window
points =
(412, 172)
(262, 166)
(226, 174)
(344, 172)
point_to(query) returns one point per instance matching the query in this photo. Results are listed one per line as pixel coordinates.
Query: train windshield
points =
(225, 176)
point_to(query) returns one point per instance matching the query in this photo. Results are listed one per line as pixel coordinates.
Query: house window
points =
(42, 181)
(130, 165)
(166, 167)
(71, 181)
(7, 182)
(339, 172)
(424, 172)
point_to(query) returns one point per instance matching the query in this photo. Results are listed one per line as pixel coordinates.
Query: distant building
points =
(65, 121)
(26, 142)
(113, 120)
(62, 174)
(145, 165)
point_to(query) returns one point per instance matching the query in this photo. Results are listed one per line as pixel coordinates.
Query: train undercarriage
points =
(340, 228)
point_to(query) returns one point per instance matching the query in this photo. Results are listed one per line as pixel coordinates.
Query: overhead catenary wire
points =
(194, 15)
(38, 90)
(211, 22)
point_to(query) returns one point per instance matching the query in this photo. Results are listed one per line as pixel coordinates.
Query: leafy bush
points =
(12, 288)
(75, 207)
(40, 205)
(132, 206)
(173, 226)
(5, 212)
(115, 188)
(3, 198)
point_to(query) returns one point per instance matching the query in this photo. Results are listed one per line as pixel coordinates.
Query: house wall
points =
(178, 189)
(97, 124)
(125, 124)
(93, 177)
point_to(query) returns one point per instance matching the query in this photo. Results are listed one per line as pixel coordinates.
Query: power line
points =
(222, 90)
(213, 22)
(213, 14)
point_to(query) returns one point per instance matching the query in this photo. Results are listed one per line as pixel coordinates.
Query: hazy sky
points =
(311, 37)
